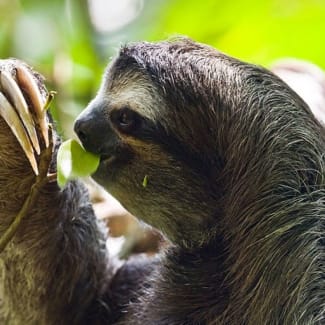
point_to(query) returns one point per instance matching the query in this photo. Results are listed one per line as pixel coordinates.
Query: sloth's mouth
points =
(113, 159)
(107, 159)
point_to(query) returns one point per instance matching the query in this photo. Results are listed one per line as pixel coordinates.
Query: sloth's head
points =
(172, 122)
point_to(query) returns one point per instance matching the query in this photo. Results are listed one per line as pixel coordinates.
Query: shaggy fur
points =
(235, 166)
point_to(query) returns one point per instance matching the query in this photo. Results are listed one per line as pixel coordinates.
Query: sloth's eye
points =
(125, 119)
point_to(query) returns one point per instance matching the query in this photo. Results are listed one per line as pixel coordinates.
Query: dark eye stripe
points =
(154, 133)
(144, 129)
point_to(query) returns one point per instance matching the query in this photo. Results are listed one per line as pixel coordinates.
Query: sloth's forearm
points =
(56, 269)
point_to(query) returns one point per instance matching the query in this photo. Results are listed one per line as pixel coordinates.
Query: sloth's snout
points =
(81, 129)
(90, 132)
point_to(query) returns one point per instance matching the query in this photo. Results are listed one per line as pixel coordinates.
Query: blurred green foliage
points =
(60, 38)
(253, 30)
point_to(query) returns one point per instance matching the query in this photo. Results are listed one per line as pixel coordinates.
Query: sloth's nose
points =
(80, 128)
(90, 133)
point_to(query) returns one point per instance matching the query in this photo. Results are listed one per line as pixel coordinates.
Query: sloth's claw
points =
(11, 117)
(23, 107)
(27, 82)
(15, 96)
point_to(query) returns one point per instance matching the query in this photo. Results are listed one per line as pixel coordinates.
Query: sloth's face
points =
(144, 164)
(119, 126)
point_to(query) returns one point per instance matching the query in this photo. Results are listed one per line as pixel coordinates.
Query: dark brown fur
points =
(236, 173)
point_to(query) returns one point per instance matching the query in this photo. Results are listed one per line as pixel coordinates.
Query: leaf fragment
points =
(145, 181)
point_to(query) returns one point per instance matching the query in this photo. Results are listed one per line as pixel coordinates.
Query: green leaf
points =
(145, 181)
(73, 161)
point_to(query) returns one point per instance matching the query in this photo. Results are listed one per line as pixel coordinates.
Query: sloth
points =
(234, 170)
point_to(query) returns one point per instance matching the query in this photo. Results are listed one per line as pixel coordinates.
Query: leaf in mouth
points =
(73, 161)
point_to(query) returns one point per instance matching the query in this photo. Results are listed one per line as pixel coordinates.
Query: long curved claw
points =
(11, 117)
(26, 81)
(14, 94)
